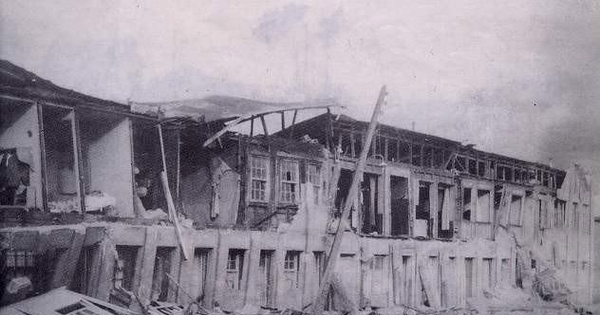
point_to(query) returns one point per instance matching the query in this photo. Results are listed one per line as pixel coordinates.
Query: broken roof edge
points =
(222, 107)
(343, 118)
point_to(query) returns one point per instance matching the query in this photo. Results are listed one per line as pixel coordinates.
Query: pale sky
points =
(520, 78)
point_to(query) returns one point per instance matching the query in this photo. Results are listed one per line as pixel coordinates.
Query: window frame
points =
(315, 179)
(295, 192)
(253, 178)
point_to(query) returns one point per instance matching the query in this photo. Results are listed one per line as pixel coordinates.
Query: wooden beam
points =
(337, 240)
(282, 120)
(264, 124)
(170, 205)
(252, 126)
(293, 124)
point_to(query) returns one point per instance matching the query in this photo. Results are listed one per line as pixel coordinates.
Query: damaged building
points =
(131, 203)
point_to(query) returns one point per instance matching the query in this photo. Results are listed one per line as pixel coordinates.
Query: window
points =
(19, 264)
(484, 208)
(291, 268)
(235, 268)
(467, 204)
(516, 206)
(289, 181)
(259, 176)
(125, 267)
(162, 267)
(319, 264)
(314, 177)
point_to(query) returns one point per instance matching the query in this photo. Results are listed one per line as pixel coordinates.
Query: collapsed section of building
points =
(130, 204)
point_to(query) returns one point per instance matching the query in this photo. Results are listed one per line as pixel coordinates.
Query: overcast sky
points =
(515, 77)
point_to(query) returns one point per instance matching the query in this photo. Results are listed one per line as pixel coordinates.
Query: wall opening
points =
(106, 159)
(162, 267)
(445, 213)
(469, 277)
(423, 226)
(235, 269)
(467, 204)
(371, 216)
(291, 270)
(399, 205)
(201, 260)
(266, 279)
(488, 273)
(125, 267)
(484, 209)
(61, 175)
(407, 282)
(20, 182)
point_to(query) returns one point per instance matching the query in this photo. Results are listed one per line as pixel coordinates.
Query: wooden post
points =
(170, 205)
(334, 254)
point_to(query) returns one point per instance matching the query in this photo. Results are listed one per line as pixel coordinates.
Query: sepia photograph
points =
(299, 157)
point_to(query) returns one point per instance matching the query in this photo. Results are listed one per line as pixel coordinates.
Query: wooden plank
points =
(334, 253)
(169, 197)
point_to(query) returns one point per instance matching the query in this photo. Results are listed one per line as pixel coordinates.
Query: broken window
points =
(20, 181)
(266, 280)
(235, 268)
(259, 178)
(399, 205)
(289, 181)
(61, 168)
(484, 206)
(372, 217)
(291, 269)
(162, 268)
(467, 204)
(314, 177)
(460, 163)
(106, 159)
(125, 267)
(516, 208)
(19, 264)
(445, 212)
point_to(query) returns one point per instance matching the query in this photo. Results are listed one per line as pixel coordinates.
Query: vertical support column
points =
(145, 271)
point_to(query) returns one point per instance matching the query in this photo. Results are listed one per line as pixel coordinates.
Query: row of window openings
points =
(428, 156)
(288, 181)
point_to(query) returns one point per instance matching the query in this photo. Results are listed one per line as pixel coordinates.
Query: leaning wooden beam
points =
(337, 240)
(264, 124)
(170, 205)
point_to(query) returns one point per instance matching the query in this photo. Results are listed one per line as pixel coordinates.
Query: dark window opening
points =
(472, 166)
(125, 267)
(393, 150)
(438, 158)
(416, 154)
(467, 204)
(428, 156)
(423, 209)
(162, 267)
(371, 216)
(343, 188)
(404, 155)
(399, 205)
(481, 168)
